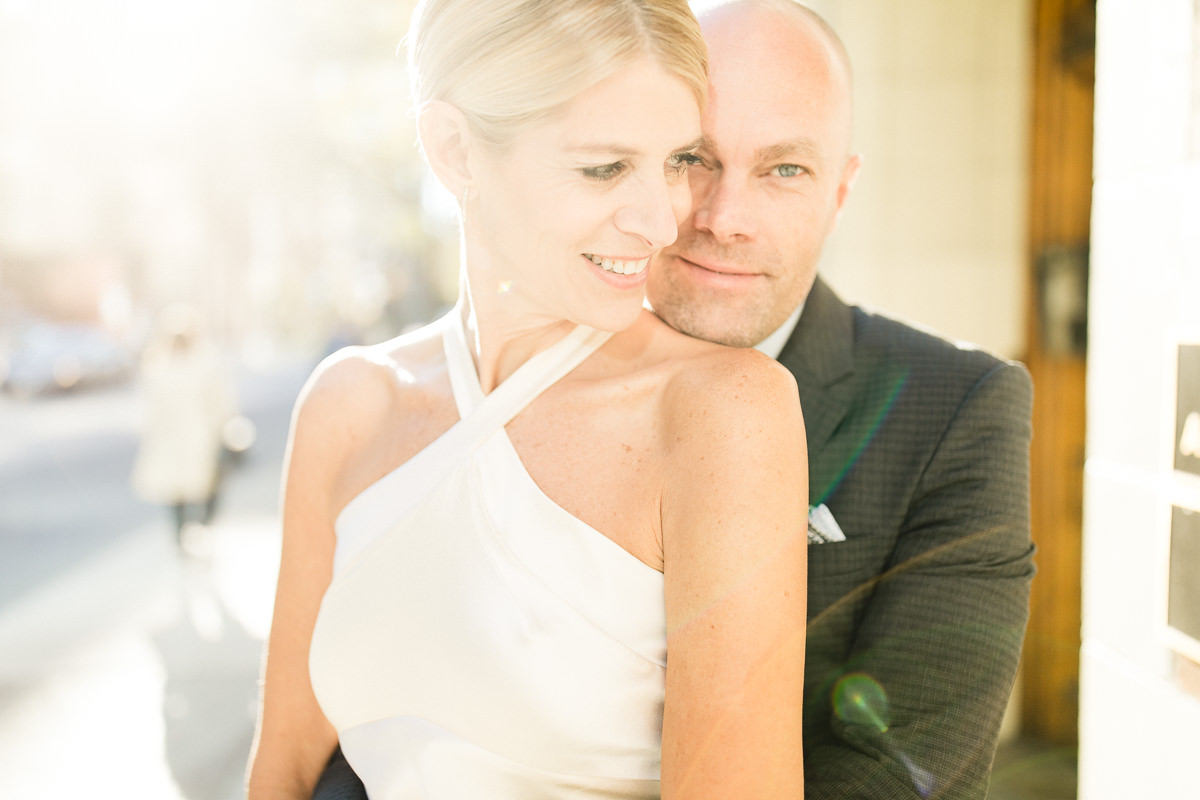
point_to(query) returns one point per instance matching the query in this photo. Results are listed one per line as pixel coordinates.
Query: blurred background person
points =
(188, 400)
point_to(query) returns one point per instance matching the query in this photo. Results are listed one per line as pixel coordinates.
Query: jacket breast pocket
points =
(841, 578)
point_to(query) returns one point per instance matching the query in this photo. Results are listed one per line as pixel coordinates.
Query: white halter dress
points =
(478, 641)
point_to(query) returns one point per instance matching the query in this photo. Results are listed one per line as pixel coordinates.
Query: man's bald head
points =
(802, 12)
(788, 20)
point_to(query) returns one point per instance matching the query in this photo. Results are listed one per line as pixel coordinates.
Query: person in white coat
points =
(188, 399)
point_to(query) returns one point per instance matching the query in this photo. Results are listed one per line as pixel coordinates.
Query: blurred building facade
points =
(1139, 724)
(253, 158)
(936, 227)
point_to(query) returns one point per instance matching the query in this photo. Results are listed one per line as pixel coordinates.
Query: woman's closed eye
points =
(605, 172)
(676, 165)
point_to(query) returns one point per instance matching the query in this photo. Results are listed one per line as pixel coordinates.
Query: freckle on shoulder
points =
(743, 373)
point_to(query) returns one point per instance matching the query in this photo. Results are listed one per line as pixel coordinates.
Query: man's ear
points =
(446, 140)
(849, 176)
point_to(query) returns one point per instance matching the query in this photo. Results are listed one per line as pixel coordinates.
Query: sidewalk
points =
(155, 696)
(133, 674)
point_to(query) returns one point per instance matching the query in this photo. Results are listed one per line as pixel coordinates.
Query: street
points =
(129, 667)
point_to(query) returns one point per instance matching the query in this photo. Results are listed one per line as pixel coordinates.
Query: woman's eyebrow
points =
(696, 144)
(623, 150)
(603, 148)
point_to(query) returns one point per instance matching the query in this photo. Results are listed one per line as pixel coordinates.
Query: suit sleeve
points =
(917, 712)
(338, 781)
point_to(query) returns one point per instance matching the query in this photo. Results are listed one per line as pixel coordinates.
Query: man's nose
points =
(721, 207)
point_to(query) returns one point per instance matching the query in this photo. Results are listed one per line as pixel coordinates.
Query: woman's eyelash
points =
(676, 164)
(605, 172)
(681, 161)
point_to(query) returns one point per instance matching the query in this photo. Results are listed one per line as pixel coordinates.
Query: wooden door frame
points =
(1059, 217)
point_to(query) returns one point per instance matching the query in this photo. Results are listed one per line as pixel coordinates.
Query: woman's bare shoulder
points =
(357, 388)
(706, 383)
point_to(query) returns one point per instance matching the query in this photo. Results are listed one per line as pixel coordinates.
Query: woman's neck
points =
(502, 332)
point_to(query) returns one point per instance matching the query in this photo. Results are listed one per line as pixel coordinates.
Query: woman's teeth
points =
(619, 267)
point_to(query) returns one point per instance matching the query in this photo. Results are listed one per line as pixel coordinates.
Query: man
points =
(920, 562)
(918, 449)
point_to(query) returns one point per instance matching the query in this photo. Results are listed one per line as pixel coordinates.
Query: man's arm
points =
(918, 709)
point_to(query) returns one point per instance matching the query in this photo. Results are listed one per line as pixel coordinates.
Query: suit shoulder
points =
(880, 338)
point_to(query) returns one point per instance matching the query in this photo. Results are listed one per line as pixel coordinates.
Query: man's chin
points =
(684, 297)
(719, 328)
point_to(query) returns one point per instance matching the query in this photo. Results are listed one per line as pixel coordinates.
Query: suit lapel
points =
(820, 354)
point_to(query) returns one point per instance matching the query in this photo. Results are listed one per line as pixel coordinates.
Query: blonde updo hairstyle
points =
(505, 64)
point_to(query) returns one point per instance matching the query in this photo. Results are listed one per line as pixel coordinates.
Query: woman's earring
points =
(463, 203)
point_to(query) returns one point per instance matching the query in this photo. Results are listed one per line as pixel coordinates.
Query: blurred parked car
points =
(43, 357)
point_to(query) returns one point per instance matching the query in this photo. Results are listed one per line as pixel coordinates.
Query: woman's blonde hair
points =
(507, 63)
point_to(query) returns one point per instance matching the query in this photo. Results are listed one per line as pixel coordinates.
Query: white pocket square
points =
(822, 527)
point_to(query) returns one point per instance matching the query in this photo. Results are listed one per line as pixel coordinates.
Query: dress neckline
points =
(531, 378)
(371, 511)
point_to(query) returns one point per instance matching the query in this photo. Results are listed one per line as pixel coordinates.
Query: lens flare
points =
(881, 405)
(922, 778)
(858, 699)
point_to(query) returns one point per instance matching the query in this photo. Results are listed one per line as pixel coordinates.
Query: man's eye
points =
(788, 170)
(605, 172)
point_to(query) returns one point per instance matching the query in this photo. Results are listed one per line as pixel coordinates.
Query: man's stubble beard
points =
(741, 321)
(711, 319)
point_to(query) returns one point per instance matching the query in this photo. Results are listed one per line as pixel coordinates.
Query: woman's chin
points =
(615, 317)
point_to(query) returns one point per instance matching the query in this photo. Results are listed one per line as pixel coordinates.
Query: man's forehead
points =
(775, 34)
(780, 71)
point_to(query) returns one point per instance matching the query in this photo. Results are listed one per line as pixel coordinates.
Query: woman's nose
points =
(650, 212)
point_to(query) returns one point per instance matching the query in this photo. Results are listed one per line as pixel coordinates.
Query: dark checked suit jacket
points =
(920, 448)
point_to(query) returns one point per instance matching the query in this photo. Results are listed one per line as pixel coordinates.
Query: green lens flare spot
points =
(858, 699)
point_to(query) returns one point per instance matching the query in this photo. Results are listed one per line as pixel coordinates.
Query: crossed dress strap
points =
(394, 495)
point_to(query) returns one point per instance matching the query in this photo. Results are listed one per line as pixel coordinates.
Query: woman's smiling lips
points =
(620, 273)
(619, 266)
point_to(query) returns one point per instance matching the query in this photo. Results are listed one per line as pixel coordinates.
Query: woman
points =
(538, 496)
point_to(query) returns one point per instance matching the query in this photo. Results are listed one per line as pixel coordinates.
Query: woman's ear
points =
(446, 140)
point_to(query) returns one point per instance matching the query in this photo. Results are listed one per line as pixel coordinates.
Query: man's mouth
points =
(718, 269)
(619, 266)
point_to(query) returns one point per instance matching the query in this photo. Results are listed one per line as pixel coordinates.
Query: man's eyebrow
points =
(800, 147)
